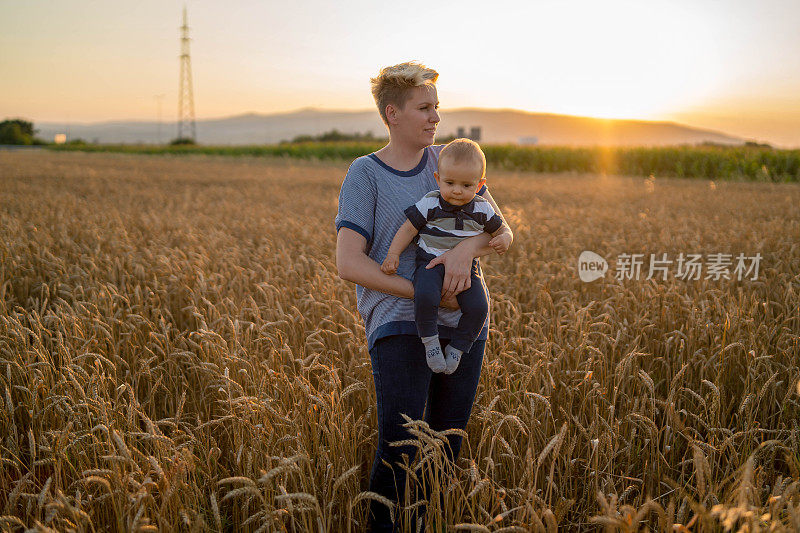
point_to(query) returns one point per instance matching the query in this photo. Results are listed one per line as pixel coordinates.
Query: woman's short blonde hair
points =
(393, 84)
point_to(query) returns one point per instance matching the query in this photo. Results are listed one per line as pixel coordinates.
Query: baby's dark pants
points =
(428, 293)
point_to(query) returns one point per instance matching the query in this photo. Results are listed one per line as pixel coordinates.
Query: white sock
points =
(433, 353)
(453, 357)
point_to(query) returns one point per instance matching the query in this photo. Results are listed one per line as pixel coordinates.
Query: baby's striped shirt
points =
(442, 225)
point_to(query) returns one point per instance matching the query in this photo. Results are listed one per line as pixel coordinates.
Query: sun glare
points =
(634, 62)
(614, 60)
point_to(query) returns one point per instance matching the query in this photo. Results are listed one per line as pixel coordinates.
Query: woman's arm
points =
(355, 265)
(458, 261)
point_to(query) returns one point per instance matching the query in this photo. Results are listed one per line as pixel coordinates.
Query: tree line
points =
(18, 131)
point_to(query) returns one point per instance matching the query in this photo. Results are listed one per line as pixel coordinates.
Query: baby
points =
(442, 219)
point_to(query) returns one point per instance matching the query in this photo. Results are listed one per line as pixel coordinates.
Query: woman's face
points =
(416, 122)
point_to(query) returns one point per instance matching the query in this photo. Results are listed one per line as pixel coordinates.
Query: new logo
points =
(591, 266)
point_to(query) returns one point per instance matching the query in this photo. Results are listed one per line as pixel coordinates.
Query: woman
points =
(374, 193)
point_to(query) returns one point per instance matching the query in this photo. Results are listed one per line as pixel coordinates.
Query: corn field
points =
(178, 353)
(736, 163)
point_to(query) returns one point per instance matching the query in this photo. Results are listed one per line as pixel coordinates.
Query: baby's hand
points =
(389, 265)
(500, 243)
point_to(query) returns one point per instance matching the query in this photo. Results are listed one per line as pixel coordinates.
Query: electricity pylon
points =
(186, 126)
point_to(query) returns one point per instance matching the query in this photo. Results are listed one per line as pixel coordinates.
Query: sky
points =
(725, 65)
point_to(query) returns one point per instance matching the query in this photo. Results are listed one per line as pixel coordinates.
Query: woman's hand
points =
(457, 269)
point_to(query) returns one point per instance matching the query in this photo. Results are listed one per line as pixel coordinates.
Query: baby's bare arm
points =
(501, 240)
(501, 230)
(489, 245)
(401, 240)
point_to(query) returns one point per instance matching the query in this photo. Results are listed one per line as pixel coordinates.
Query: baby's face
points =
(458, 182)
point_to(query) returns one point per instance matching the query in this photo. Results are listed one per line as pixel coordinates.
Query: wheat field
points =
(176, 353)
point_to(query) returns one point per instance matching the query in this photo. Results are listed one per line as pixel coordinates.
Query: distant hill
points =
(498, 126)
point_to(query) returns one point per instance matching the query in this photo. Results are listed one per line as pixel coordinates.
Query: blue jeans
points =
(405, 384)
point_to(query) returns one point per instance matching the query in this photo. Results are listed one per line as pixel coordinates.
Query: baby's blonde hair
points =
(393, 84)
(463, 151)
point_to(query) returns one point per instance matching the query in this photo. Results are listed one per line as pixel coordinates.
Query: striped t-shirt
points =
(442, 225)
(371, 202)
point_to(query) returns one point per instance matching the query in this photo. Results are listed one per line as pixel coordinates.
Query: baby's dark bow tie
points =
(459, 212)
